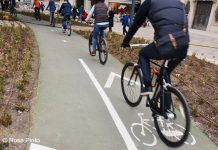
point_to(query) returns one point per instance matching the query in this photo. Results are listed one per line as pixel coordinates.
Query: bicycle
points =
(167, 103)
(102, 47)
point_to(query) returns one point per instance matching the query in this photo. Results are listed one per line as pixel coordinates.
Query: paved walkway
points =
(203, 44)
(76, 111)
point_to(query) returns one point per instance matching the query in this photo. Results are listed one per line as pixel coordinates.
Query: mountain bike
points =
(167, 103)
(102, 47)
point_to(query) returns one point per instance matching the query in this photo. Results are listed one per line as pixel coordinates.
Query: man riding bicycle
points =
(100, 11)
(171, 38)
(65, 11)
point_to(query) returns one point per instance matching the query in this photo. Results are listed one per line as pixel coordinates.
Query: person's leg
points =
(148, 52)
(94, 37)
(50, 18)
(65, 21)
(103, 27)
(124, 27)
(81, 15)
(35, 13)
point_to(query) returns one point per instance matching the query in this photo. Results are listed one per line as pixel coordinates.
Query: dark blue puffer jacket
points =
(52, 6)
(65, 8)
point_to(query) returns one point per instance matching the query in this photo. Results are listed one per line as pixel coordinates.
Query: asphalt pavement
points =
(77, 110)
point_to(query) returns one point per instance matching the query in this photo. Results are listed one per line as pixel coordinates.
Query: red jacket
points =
(37, 4)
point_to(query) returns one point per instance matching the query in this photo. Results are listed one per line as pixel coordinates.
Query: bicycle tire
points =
(185, 114)
(103, 52)
(90, 43)
(68, 29)
(123, 80)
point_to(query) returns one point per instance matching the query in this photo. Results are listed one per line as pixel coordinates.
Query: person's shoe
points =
(93, 53)
(64, 30)
(147, 91)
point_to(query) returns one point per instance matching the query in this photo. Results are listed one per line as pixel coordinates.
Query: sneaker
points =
(93, 53)
(147, 91)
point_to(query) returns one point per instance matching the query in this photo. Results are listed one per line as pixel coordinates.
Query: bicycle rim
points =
(103, 52)
(131, 84)
(174, 129)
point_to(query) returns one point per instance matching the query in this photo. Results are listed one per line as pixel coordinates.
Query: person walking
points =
(74, 12)
(52, 8)
(111, 19)
(80, 13)
(42, 6)
(125, 23)
(36, 6)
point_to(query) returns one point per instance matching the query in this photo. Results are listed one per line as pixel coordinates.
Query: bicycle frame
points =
(161, 85)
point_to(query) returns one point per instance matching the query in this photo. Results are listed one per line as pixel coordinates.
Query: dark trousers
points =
(52, 19)
(37, 13)
(124, 29)
(110, 29)
(151, 52)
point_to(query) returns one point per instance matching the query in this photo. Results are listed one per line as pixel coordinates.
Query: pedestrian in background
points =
(52, 8)
(111, 18)
(125, 23)
(74, 12)
(80, 13)
(36, 6)
(42, 6)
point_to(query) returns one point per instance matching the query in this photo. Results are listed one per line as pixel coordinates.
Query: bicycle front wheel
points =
(131, 84)
(103, 51)
(174, 128)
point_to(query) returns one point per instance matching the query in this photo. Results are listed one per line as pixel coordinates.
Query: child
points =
(125, 23)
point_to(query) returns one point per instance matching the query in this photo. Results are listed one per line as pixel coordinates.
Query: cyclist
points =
(171, 38)
(100, 11)
(65, 11)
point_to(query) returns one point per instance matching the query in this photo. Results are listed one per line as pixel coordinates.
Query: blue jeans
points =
(52, 18)
(66, 16)
(97, 29)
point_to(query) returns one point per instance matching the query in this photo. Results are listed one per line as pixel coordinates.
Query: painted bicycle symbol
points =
(143, 131)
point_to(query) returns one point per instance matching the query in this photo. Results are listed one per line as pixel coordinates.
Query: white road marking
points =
(52, 30)
(65, 41)
(120, 126)
(34, 146)
(111, 77)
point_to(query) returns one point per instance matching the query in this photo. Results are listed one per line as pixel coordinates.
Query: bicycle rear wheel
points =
(90, 43)
(177, 112)
(103, 51)
(131, 84)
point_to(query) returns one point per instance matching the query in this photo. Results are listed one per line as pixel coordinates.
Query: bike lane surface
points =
(70, 112)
